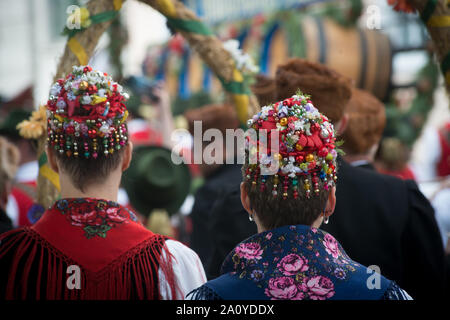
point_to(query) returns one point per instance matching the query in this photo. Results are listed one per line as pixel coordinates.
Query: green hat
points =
(8, 126)
(153, 181)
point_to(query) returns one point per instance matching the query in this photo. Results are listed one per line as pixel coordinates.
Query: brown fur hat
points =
(329, 91)
(219, 116)
(366, 122)
(265, 90)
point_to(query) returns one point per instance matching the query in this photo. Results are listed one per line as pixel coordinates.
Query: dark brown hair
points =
(274, 212)
(86, 171)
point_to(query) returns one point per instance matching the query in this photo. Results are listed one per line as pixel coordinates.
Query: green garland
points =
(407, 125)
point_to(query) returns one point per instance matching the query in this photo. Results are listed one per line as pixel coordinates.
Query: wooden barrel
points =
(362, 55)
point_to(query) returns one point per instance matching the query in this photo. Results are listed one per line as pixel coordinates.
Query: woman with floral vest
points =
(288, 189)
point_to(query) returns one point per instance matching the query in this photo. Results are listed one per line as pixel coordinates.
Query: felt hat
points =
(367, 119)
(264, 89)
(329, 90)
(154, 181)
(9, 126)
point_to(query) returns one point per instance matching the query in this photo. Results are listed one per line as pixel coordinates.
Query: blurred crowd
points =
(381, 216)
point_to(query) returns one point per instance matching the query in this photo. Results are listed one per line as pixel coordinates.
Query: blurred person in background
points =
(435, 164)
(23, 193)
(9, 161)
(218, 178)
(393, 159)
(151, 121)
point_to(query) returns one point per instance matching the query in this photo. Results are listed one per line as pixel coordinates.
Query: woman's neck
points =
(107, 189)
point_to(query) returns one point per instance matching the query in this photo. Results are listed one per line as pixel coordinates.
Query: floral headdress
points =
(307, 147)
(86, 114)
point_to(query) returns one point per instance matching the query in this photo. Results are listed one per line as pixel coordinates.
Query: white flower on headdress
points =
(83, 77)
(77, 69)
(71, 96)
(61, 104)
(101, 93)
(307, 128)
(265, 111)
(104, 128)
(86, 99)
(55, 89)
(299, 124)
(288, 168)
(68, 85)
(266, 159)
(92, 78)
(283, 109)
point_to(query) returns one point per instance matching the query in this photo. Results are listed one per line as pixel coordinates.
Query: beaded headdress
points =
(86, 114)
(307, 147)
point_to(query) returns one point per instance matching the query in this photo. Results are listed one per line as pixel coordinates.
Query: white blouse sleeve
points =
(187, 268)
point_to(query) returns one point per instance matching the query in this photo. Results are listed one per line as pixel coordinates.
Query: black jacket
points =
(385, 221)
(5, 222)
(207, 197)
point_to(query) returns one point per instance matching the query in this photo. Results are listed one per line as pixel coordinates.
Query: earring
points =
(326, 219)
(250, 217)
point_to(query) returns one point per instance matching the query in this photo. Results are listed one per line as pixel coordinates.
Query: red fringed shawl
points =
(118, 258)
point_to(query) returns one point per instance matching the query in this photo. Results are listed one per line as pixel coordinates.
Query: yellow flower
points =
(84, 17)
(35, 127)
(97, 100)
(125, 116)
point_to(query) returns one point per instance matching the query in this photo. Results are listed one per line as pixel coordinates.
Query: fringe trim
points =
(203, 293)
(133, 275)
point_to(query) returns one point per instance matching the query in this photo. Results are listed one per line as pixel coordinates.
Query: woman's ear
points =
(128, 155)
(331, 202)
(342, 124)
(245, 200)
(52, 159)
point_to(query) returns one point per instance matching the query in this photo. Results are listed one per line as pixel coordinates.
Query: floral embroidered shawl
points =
(291, 263)
(117, 256)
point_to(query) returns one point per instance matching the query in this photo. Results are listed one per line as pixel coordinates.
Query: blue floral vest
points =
(293, 263)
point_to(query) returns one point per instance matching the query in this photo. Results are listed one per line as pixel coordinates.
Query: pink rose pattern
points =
(283, 288)
(331, 245)
(250, 250)
(318, 287)
(96, 217)
(288, 266)
(292, 264)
